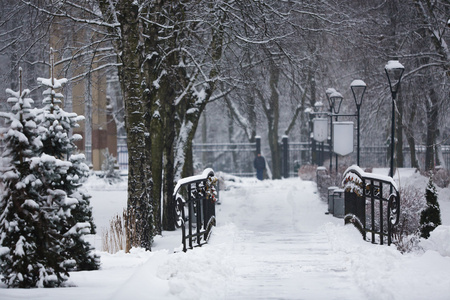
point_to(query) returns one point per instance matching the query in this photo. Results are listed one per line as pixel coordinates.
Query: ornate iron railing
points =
(195, 199)
(372, 204)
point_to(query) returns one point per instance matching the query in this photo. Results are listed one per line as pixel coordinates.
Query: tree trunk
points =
(230, 128)
(432, 128)
(157, 145)
(139, 208)
(272, 113)
(410, 136)
(168, 185)
(205, 155)
(412, 151)
(399, 131)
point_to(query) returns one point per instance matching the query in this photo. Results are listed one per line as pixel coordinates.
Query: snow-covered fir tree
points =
(82, 221)
(430, 217)
(58, 143)
(31, 247)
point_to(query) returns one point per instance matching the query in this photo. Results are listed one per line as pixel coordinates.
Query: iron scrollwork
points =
(394, 209)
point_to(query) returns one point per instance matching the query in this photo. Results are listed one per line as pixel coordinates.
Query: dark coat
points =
(259, 163)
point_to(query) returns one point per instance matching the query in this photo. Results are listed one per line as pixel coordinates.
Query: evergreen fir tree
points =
(82, 221)
(31, 247)
(430, 217)
(58, 143)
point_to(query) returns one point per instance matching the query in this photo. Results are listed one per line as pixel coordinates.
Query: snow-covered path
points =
(281, 249)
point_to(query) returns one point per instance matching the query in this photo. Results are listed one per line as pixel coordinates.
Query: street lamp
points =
(328, 92)
(318, 106)
(394, 71)
(336, 101)
(318, 129)
(358, 88)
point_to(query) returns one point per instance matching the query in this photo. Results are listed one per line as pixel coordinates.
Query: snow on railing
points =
(372, 203)
(195, 199)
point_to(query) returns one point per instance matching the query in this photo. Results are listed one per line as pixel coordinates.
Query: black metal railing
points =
(195, 199)
(372, 204)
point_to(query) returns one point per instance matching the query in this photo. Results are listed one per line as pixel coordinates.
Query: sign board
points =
(320, 129)
(343, 138)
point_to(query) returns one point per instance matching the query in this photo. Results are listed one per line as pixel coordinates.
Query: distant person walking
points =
(260, 165)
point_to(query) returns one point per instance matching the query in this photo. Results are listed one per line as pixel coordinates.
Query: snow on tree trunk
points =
(139, 206)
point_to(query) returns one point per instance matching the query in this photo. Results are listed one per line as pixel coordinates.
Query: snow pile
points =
(438, 241)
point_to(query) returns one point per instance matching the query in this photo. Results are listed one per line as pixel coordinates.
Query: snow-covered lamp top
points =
(358, 88)
(394, 71)
(336, 95)
(336, 101)
(358, 83)
(330, 91)
(318, 106)
(394, 64)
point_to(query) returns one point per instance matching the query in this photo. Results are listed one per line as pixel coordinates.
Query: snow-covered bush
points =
(406, 232)
(441, 177)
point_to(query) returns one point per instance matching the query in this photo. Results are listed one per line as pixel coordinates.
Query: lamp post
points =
(394, 71)
(310, 114)
(328, 92)
(358, 88)
(336, 101)
(318, 106)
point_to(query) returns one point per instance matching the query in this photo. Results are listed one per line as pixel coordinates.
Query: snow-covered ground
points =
(273, 240)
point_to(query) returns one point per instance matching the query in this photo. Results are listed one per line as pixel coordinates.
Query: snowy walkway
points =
(281, 249)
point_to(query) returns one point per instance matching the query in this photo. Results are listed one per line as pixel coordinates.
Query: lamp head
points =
(358, 88)
(394, 71)
(336, 99)
(328, 92)
(318, 106)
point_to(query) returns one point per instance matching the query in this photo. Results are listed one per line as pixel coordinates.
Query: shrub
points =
(406, 232)
(430, 217)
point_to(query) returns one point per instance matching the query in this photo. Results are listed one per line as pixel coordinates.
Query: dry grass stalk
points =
(114, 239)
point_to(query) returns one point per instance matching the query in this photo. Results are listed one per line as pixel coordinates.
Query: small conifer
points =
(430, 217)
(59, 143)
(31, 248)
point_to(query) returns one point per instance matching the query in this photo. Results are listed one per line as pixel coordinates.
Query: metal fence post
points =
(285, 163)
(258, 145)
